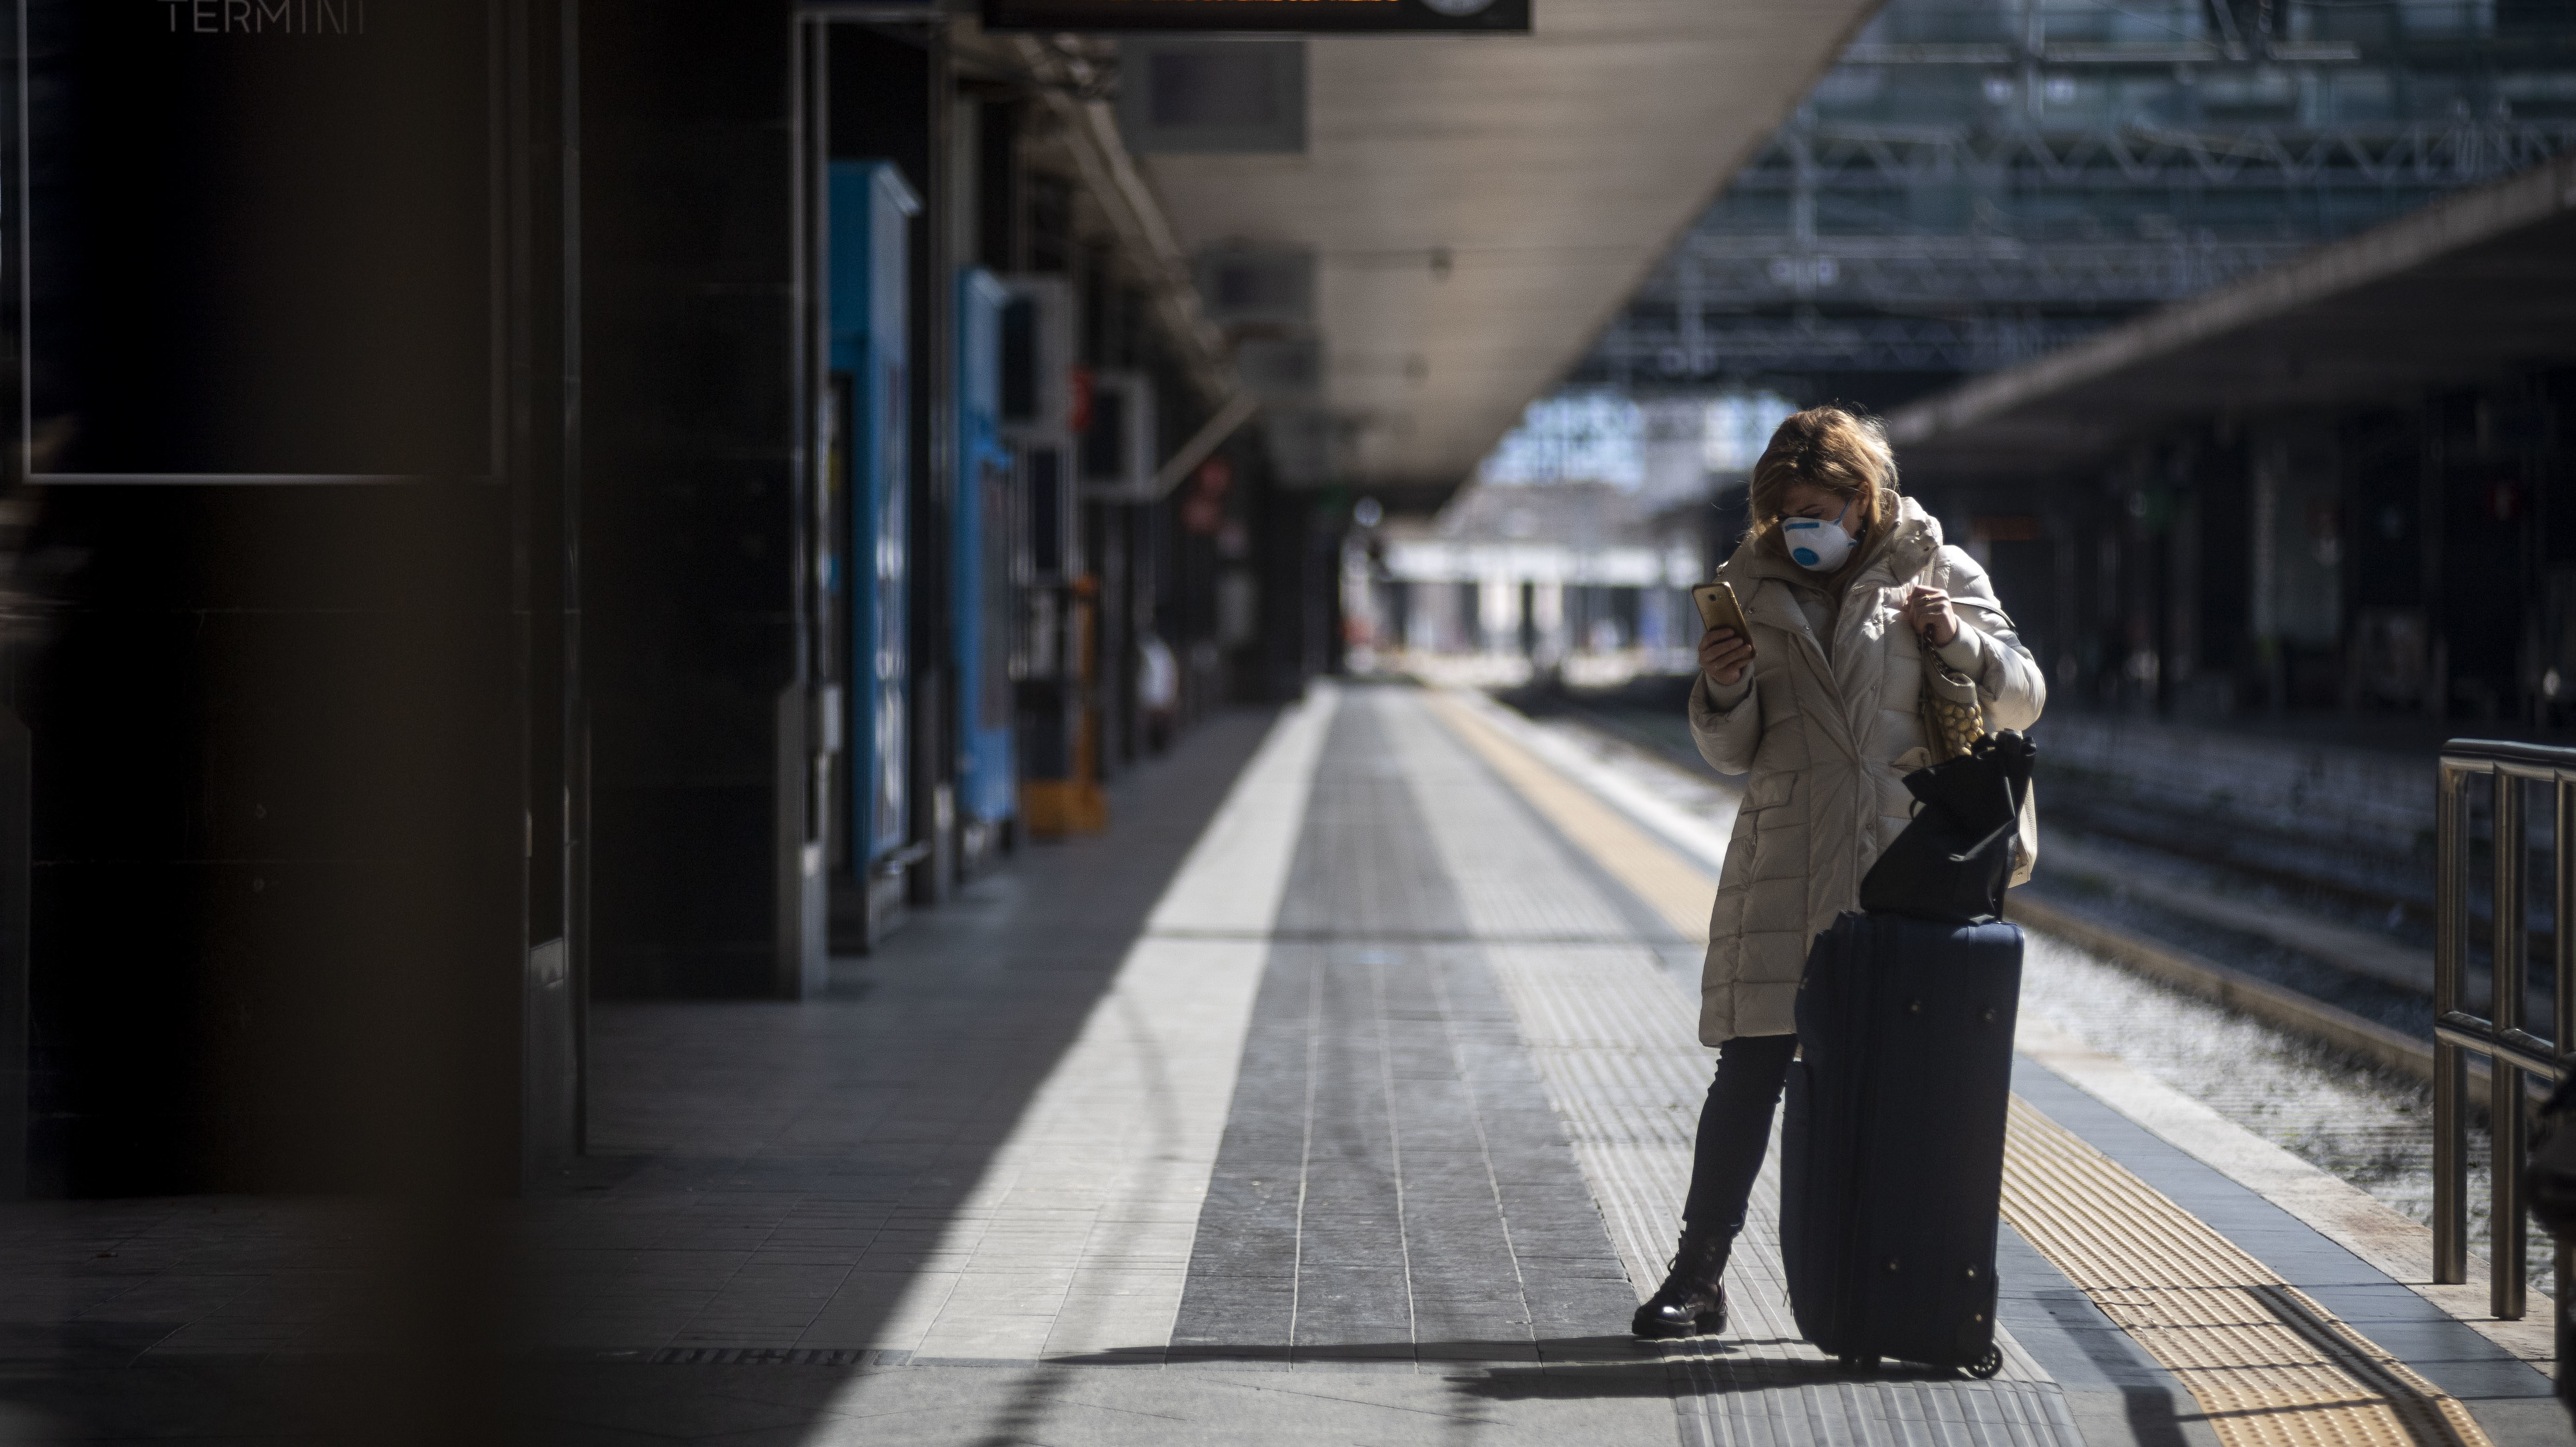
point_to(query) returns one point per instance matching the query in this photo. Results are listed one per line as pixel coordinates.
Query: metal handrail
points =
(2512, 1052)
(2519, 1048)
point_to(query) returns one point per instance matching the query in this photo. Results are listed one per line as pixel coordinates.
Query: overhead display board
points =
(1276, 16)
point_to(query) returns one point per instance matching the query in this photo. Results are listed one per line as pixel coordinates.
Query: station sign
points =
(253, 242)
(1507, 17)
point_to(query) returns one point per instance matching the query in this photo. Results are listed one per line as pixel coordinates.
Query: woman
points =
(1850, 594)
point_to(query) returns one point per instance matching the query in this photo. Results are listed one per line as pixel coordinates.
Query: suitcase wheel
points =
(1987, 1365)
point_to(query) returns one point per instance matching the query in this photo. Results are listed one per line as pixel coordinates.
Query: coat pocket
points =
(1772, 829)
(1770, 791)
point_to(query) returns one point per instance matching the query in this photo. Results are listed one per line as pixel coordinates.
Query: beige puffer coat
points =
(1828, 745)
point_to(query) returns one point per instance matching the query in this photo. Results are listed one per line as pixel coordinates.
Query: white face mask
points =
(1818, 544)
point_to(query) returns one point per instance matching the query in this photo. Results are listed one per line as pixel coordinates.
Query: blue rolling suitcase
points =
(1893, 1146)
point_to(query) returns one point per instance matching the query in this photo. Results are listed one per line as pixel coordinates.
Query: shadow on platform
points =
(1508, 1370)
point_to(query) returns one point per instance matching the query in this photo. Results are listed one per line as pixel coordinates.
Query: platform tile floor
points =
(1338, 1095)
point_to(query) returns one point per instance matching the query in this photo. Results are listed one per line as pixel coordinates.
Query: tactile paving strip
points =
(2269, 1366)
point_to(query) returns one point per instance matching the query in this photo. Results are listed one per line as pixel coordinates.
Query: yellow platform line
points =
(2267, 1364)
(1674, 888)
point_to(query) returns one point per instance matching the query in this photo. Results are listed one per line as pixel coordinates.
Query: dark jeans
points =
(1735, 1129)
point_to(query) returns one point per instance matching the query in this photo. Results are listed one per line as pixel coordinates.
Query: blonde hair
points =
(1833, 449)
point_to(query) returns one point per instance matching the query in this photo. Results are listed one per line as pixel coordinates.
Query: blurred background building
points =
(2348, 513)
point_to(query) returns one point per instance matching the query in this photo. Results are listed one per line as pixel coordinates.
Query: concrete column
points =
(1547, 622)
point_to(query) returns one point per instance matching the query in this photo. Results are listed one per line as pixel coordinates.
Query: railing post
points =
(2507, 1118)
(2562, 1037)
(2450, 1069)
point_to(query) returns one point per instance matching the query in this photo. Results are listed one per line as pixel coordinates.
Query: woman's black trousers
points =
(1734, 1130)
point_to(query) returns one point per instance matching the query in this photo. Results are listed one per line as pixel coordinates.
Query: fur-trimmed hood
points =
(1903, 548)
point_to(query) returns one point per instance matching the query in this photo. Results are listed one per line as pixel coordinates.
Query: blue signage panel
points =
(981, 568)
(869, 221)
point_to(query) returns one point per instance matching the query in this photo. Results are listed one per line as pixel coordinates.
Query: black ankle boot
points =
(1692, 1300)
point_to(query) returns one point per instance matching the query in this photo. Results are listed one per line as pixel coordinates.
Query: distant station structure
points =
(1977, 183)
(1580, 578)
(2229, 333)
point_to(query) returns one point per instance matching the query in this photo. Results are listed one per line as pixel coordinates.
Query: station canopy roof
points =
(2464, 291)
(1479, 207)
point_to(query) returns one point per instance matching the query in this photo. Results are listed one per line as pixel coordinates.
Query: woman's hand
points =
(1724, 655)
(1927, 612)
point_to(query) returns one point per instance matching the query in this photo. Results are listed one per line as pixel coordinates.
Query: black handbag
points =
(1955, 860)
(2549, 1177)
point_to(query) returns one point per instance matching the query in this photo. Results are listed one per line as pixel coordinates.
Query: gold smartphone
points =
(1718, 609)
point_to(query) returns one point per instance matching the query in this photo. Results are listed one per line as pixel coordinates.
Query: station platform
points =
(1344, 1093)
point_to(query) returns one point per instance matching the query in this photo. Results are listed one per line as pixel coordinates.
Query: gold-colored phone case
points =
(1718, 608)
